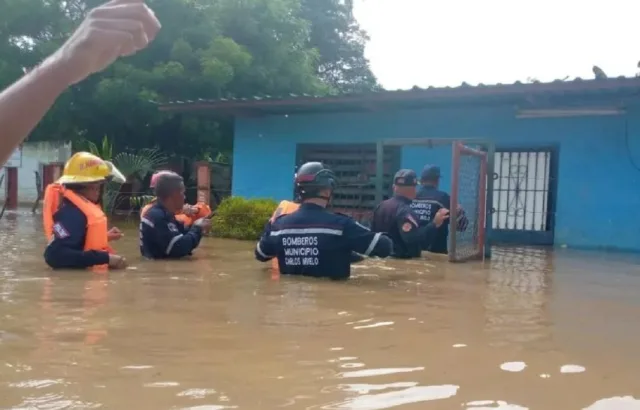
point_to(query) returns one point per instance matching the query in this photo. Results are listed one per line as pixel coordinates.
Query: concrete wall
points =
(34, 154)
(598, 187)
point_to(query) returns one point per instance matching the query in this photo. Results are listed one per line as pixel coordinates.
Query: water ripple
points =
(36, 384)
(572, 368)
(513, 366)
(196, 393)
(379, 372)
(377, 324)
(616, 403)
(391, 399)
(494, 405)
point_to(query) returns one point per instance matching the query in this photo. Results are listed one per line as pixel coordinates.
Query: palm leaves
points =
(133, 165)
(138, 165)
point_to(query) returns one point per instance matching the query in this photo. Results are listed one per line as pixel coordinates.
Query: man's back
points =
(395, 218)
(429, 200)
(162, 236)
(315, 242)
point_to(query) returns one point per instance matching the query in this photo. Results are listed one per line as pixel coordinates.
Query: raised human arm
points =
(117, 28)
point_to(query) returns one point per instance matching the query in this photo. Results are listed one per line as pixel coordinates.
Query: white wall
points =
(34, 155)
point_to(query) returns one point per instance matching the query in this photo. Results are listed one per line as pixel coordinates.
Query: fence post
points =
(50, 173)
(203, 178)
(11, 187)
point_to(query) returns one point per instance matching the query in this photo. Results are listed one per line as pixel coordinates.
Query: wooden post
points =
(203, 175)
(11, 187)
(51, 172)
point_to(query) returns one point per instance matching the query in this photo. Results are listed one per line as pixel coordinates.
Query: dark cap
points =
(430, 173)
(405, 177)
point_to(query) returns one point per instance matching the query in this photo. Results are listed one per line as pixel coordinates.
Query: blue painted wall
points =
(598, 187)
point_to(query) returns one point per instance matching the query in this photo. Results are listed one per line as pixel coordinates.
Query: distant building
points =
(566, 163)
(29, 160)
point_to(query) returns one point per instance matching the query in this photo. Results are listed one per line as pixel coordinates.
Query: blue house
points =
(564, 157)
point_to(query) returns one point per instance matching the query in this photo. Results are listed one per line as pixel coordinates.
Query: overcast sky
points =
(439, 43)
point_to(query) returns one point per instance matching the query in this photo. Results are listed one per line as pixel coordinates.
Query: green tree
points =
(206, 49)
(337, 36)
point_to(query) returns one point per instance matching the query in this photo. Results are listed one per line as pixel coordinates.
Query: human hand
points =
(114, 234)
(189, 210)
(203, 223)
(115, 29)
(117, 262)
(441, 216)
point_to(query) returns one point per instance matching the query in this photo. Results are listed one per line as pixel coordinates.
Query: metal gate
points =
(355, 167)
(524, 194)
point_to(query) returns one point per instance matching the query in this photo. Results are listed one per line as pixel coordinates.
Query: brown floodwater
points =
(531, 329)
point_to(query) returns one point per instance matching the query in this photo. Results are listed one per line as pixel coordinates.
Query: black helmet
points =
(312, 178)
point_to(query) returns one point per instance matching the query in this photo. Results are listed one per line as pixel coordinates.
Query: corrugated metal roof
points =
(576, 85)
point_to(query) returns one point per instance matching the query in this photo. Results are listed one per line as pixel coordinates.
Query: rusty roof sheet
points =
(465, 90)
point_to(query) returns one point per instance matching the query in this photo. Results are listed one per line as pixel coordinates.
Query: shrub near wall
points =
(241, 218)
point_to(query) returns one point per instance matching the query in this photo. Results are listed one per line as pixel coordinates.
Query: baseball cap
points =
(405, 177)
(430, 172)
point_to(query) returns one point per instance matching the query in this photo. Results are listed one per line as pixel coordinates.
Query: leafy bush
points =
(241, 218)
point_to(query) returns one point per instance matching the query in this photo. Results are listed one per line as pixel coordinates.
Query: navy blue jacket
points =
(66, 248)
(316, 242)
(163, 237)
(428, 202)
(395, 218)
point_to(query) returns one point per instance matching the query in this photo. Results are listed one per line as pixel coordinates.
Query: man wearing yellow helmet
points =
(74, 222)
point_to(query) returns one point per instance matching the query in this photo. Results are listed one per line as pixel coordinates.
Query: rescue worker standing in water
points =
(429, 200)
(395, 218)
(162, 236)
(188, 214)
(74, 222)
(313, 241)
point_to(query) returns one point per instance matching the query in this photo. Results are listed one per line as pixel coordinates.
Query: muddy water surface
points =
(530, 330)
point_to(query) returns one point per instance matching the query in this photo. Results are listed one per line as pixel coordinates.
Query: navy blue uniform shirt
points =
(66, 248)
(313, 241)
(395, 218)
(429, 200)
(162, 236)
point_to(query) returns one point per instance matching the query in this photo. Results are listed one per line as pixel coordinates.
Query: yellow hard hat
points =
(84, 168)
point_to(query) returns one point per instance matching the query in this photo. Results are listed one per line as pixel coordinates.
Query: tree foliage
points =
(206, 49)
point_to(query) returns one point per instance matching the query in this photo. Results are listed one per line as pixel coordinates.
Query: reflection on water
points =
(386, 400)
(217, 332)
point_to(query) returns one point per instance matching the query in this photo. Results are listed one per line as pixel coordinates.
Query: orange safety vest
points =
(203, 211)
(284, 208)
(96, 238)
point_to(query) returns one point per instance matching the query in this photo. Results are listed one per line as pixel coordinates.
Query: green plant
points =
(241, 218)
(140, 201)
(133, 165)
(139, 164)
(221, 158)
(105, 151)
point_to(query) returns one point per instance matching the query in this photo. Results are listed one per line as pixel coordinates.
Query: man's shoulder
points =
(155, 213)
(69, 210)
(430, 192)
(310, 220)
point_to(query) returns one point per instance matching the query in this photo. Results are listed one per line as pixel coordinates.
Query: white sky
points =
(446, 42)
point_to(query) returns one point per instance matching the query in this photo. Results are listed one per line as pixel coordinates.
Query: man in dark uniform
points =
(313, 241)
(429, 200)
(161, 235)
(395, 218)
